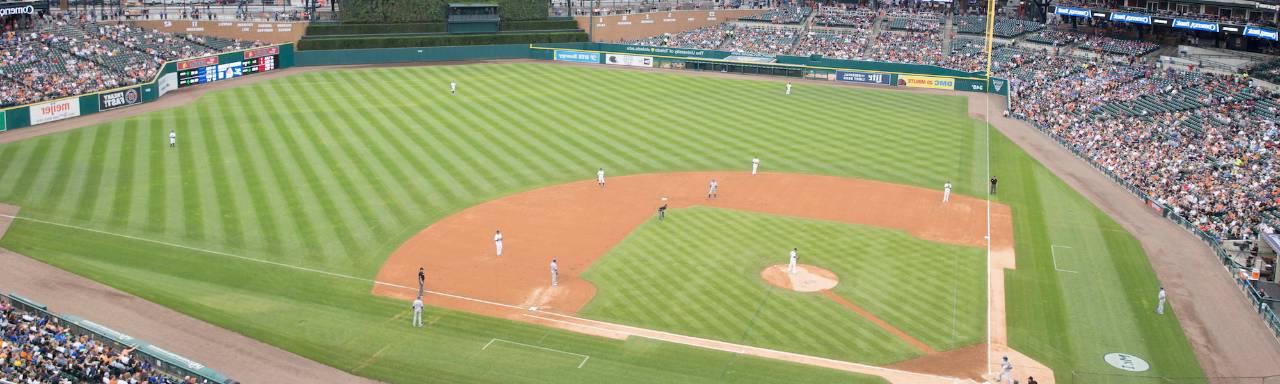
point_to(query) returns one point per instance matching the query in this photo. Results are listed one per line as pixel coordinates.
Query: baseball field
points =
(296, 211)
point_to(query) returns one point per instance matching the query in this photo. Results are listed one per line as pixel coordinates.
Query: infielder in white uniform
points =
(788, 88)
(1160, 306)
(791, 267)
(555, 272)
(497, 242)
(173, 139)
(417, 312)
(755, 165)
(1006, 370)
(600, 177)
(711, 191)
(946, 191)
(453, 87)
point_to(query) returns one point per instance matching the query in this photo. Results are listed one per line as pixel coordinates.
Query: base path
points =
(579, 222)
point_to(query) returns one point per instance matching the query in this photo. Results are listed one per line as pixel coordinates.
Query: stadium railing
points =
(163, 360)
(1261, 305)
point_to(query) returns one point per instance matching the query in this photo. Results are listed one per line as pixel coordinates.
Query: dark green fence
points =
(407, 55)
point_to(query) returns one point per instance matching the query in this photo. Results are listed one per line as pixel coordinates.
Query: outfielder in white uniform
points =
(791, 267)
(755, 165)
(453, 87)
(1006, 370)
(555, 272)
(497, 242)
(946, 191)
(173, 139)
(711, 191)
(600, 177)
(417, 312)
(788, 88)
(1160, 306)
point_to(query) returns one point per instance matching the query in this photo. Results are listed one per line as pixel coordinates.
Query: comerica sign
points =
(20, 10)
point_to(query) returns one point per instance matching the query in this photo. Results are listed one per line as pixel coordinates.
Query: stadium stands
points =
(841, 16)
(1003, 27)
(1055, 38)
(758, 40)
(1118, 46)
(789, 14)
(906, 19)
(701, 38)
(66, 57)
(39, 349)
(836, 44)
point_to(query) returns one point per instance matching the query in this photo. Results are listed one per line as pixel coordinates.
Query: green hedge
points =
(417, 11)
(537, 25)
(438, 40)
(373, 29)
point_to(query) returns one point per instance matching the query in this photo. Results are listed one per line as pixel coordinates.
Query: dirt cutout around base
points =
(7, 214)
(807, 278)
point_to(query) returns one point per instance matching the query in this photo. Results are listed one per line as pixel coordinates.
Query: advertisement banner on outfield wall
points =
(629, 60)
(931, 82)
(117, 99)
(55, 110)
(578, 57)
(4, 123)
(864, 77)
(167, 83)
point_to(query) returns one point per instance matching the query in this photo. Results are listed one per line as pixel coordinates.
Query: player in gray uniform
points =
(555, 272)
(417, 312)
(1006, 370)
(1160, 306)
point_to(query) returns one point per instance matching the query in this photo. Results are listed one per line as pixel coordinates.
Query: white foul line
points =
(1053, 252)
(584, 357)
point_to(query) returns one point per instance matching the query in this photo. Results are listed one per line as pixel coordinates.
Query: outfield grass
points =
(698, 274)
(332, 170)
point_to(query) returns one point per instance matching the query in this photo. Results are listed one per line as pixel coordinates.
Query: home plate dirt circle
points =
(807, 278)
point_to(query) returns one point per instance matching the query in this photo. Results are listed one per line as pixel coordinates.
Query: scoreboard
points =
(207, 70)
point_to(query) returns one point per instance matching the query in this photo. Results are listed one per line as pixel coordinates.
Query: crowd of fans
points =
(37, 349)
(787, 14)
(1055, 38)
(849, 16)
(761, 40)
(65, 56)
(1102, 44)
(701, 38)
(914, 19)
(1200, 143)
(835, 44)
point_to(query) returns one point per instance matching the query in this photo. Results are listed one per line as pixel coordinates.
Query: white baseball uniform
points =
(1006, 371)
(600, 177)
(791, 267)
(788, 88)
(417, 312)
(1161, 298)
(711, 192)
(755, 165)
(497, 241)
(946, 192)
(555, 273)
(173, 138)
(453, 87)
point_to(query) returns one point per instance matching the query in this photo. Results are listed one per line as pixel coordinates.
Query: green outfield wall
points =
(209, 69)
(409, 55)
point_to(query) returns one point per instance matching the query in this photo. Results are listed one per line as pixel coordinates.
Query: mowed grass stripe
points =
(258, 227)
(470, 173)
(190, 176)
(240, 225)
(117, 207)
(292, 184)
(512, 114)
(208, 176)
(409, 165)
(363, 217)
(375, 168)
(488, 146)
(272, 191)
(52, 182)
(99, 172)
(329, 221)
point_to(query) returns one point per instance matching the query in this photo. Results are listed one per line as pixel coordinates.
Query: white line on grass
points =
(584, 357)
(1053, 252)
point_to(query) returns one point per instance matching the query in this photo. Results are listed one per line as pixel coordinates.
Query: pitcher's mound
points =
(807, 278)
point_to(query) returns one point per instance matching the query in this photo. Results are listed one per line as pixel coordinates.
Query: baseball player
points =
(453, 87)
(993, 184)
(422, 280)
(946, 191)
(1160, 298)
(662, 211)
(173, 139)
(791, 267)
(1006, 370)
(755, 165)
(497, 242)
(555, 272)
(417, 312)
(711, 190)
(788, 87)
(600, 177)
